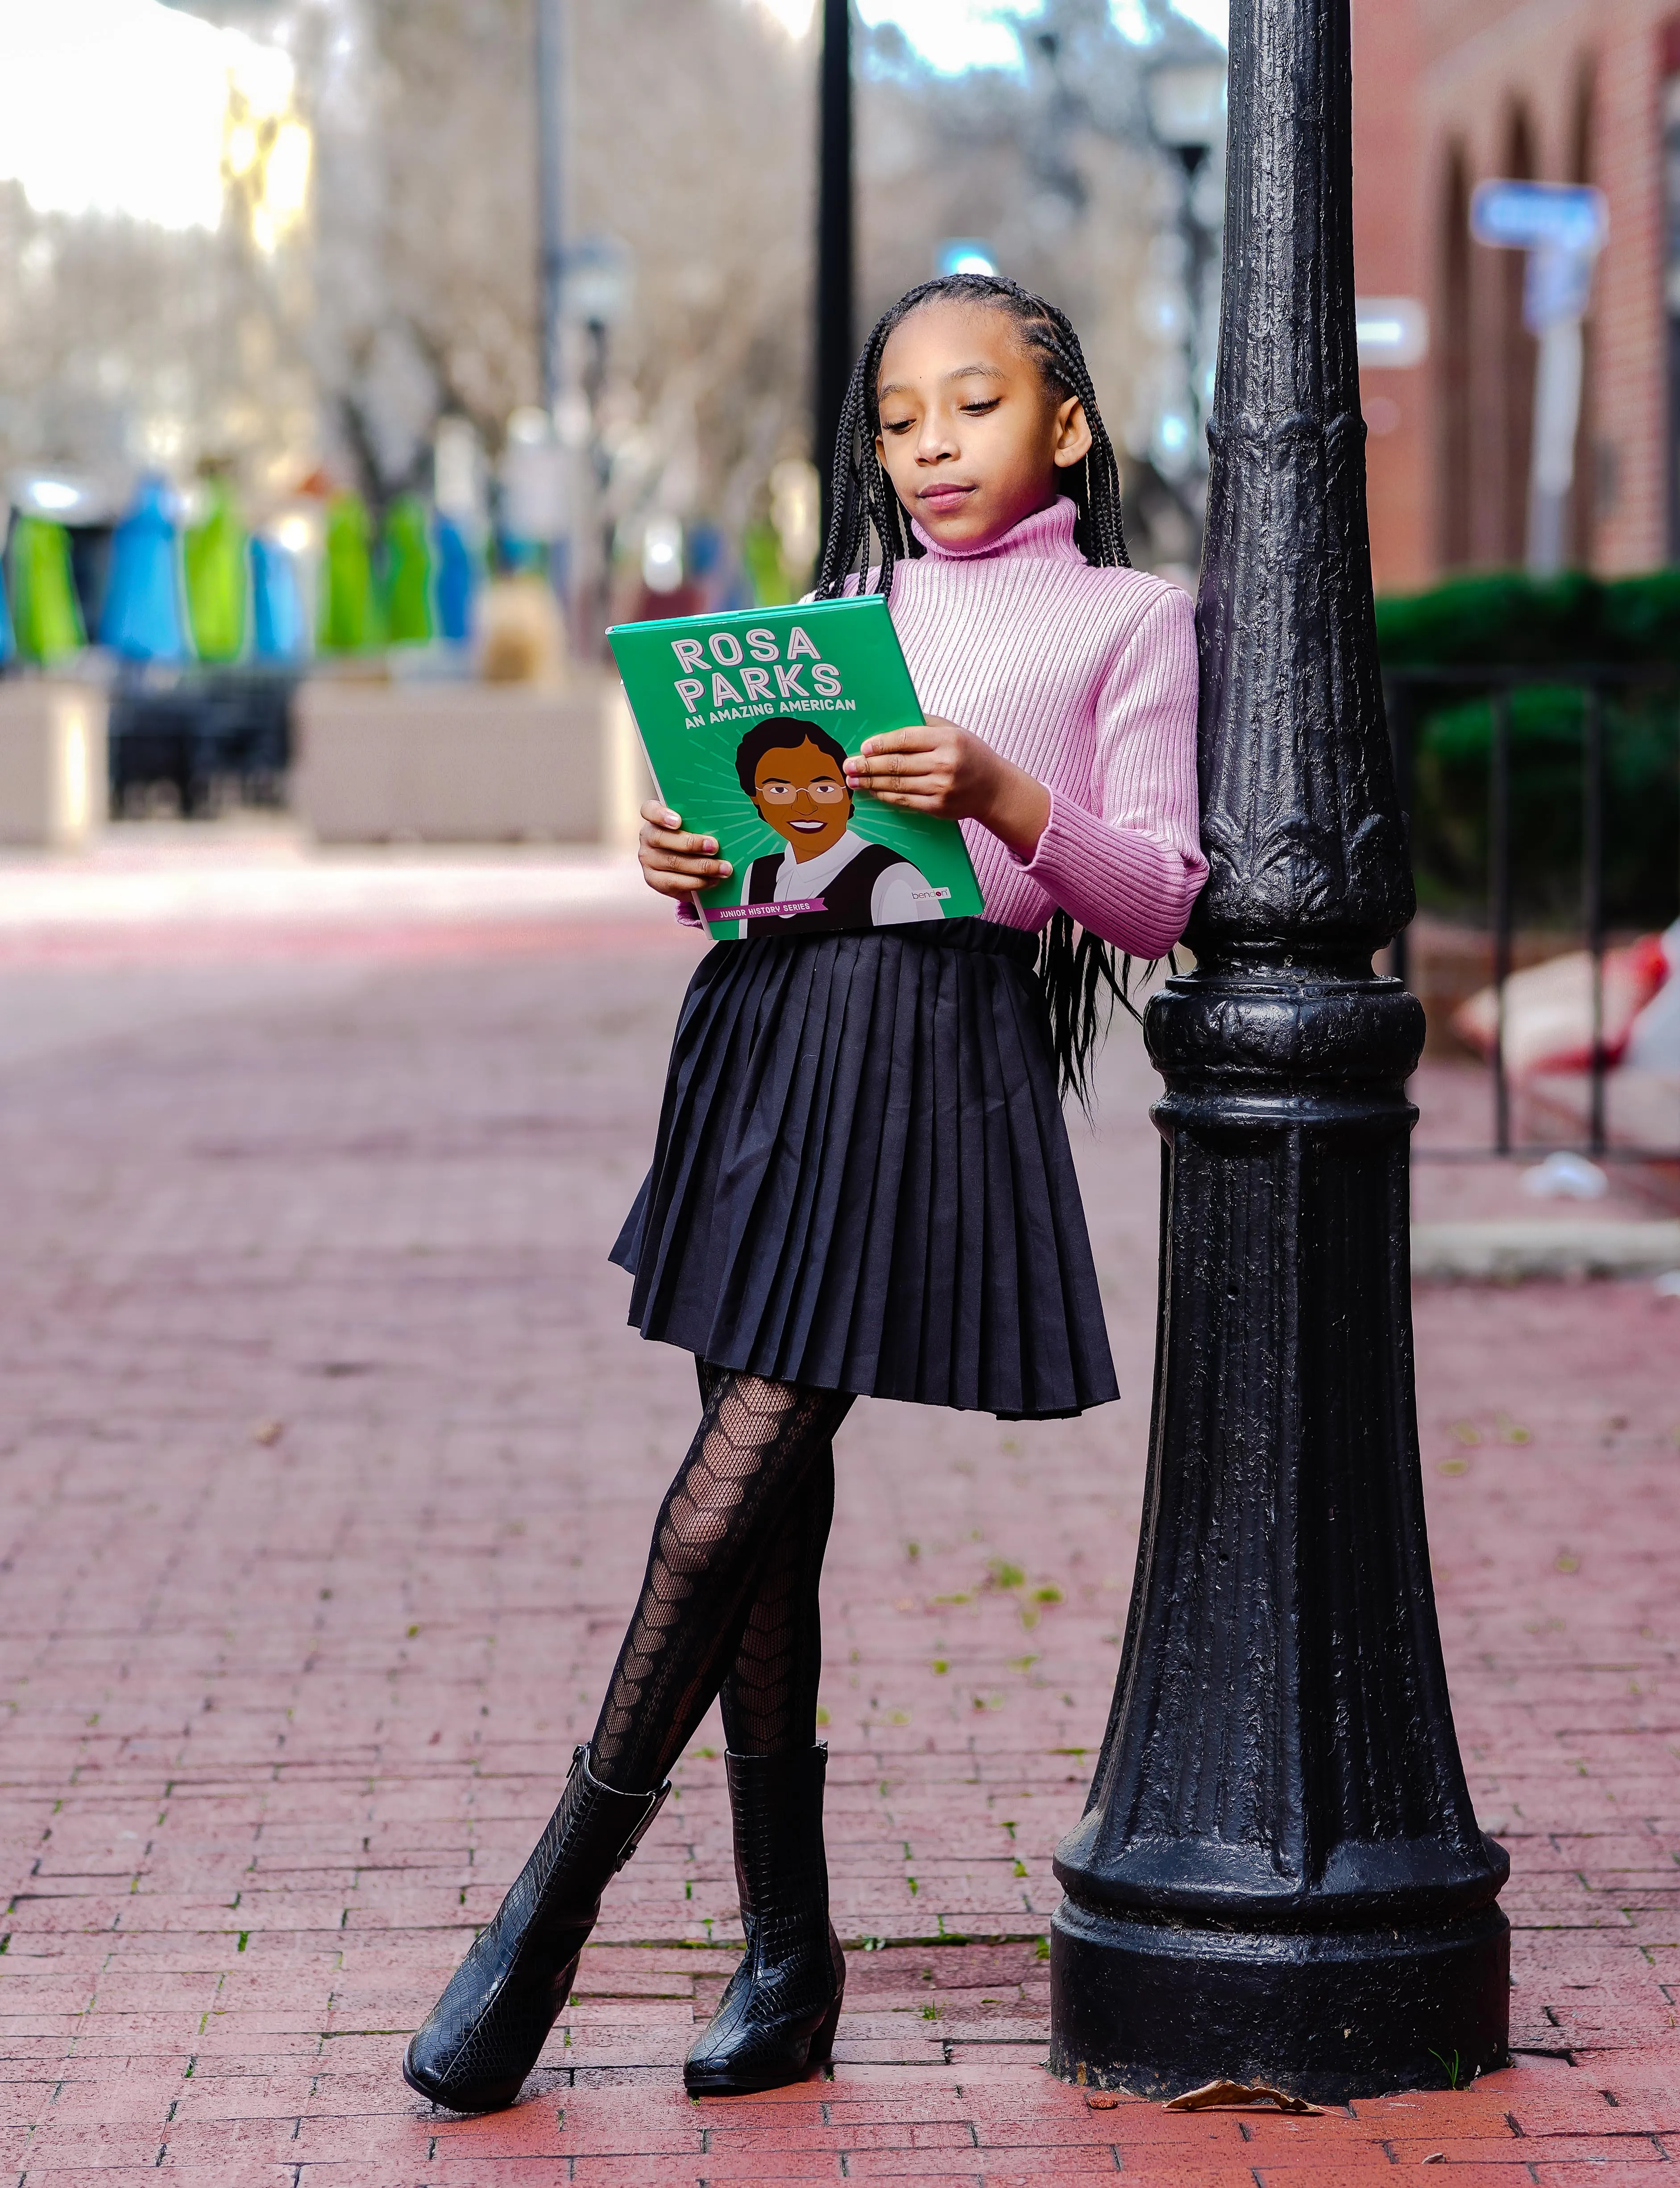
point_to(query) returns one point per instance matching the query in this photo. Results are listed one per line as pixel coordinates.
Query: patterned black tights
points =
(729, 1600)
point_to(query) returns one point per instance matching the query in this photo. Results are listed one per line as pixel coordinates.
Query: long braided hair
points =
(1076, 969)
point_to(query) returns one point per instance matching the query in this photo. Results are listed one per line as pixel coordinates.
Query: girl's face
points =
(971, 436)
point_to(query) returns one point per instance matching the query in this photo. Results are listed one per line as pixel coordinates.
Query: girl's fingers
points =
(698, 871)
(865, 775)
(690, 846)
(919, 739)
(681, 880)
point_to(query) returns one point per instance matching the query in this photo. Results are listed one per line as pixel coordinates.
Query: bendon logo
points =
(741, 676)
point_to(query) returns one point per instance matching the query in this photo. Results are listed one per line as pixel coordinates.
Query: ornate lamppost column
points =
(1279, 1875)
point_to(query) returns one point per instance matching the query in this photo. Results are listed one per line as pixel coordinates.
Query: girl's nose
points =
(935, 442)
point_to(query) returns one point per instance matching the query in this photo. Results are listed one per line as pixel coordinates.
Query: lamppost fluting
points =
(1279, 1875)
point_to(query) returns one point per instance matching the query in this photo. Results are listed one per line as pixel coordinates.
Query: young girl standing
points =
(862, 1184)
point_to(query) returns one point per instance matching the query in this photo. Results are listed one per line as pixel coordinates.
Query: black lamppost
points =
(834, 273)
(1279, 1875)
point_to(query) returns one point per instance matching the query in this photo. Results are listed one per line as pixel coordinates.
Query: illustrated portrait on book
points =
(794, 772)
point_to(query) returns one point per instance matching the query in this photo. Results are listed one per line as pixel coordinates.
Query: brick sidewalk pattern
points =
(328, 1466)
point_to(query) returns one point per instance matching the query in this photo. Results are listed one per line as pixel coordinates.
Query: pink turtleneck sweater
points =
(1087, 679)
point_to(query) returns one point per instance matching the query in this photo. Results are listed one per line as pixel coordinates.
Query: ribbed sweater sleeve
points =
(1127, 864)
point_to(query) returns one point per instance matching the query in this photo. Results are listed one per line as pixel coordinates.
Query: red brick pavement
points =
(328, 1463)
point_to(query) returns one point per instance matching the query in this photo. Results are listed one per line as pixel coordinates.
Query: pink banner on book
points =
(766, 910)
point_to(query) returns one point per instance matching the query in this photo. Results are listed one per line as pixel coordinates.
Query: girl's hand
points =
(672, 862)
(945, 769)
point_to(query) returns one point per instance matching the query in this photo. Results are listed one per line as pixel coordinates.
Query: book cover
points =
(746, 719)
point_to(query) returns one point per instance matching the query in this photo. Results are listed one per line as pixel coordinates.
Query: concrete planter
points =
(458, 762)
(53, 765)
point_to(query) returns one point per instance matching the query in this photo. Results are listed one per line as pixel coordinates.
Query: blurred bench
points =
(52, 762)
(459, 762)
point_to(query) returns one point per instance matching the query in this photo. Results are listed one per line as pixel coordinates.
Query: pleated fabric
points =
(862, 1180)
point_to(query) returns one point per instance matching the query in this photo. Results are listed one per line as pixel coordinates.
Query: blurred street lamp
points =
(551, 60)
(1186, 108)
(1186, 105)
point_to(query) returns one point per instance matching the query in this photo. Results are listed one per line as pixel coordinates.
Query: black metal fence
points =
(1412, 694)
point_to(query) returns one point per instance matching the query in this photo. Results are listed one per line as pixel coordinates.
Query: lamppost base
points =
(1158, 2007)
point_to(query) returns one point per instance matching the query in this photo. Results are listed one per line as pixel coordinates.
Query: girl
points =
(862, 1183)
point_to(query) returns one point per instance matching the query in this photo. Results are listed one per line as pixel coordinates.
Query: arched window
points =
(1578, 539)
(1452, 366)
(1671, 161)
(1513, 407)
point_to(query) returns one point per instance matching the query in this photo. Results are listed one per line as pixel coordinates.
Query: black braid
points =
(1076, 969)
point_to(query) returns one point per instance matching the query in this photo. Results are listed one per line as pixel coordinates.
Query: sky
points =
(118, 105)
(958, 34)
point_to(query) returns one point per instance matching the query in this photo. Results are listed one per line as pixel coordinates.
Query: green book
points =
(746, 719)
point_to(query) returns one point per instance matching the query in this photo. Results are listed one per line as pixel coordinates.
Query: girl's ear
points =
(1073, 434)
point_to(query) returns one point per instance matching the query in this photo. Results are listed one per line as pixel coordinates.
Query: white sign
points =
(1541, 216)
(1562, 226)
(1393, 331)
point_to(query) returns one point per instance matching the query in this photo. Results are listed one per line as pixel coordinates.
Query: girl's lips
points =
(943, 497)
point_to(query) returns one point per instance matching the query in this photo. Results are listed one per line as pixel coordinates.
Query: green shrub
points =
(1510, 621)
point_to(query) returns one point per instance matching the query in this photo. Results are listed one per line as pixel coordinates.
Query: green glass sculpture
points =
(350, 617)
(49, 626)
(408, 573)
(214, 553)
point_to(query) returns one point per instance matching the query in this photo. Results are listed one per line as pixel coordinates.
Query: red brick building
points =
(1447, 93)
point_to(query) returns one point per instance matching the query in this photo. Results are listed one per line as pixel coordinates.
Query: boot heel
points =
(822, 2043)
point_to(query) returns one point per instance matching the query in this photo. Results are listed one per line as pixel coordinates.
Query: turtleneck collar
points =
(1046, 536)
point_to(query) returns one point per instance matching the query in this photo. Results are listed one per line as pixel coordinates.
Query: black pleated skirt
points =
(862, 1180)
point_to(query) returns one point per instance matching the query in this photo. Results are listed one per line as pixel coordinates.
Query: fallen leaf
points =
(267, 1431)
(1436, 2157)
(1214, 2093)
(1101, 2101)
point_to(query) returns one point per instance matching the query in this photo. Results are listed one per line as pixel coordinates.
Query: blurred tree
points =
(377, 265)
(690, 143)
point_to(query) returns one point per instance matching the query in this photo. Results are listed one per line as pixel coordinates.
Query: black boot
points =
(777, 2018)
(483, 2036)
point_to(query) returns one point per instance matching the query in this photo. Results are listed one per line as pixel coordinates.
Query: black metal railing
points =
(1411, 693)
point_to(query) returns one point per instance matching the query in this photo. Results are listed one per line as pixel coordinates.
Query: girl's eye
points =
(979, 407)
(895, 425)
